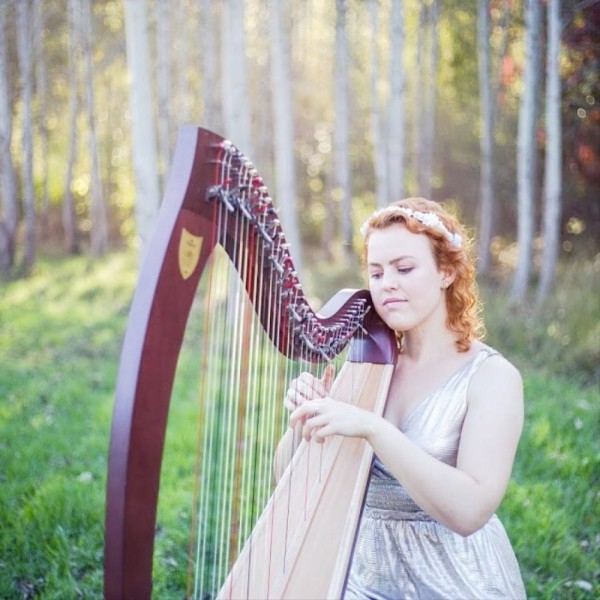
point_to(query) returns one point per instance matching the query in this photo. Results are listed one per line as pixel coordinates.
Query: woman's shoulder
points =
(494, 374)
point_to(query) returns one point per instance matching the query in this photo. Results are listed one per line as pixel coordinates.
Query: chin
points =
(396, 324)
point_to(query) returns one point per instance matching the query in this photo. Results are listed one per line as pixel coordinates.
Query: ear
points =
(448, 277)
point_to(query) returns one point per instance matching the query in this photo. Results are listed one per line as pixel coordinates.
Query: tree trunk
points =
(8, 185)
(417, 103)
(553, 166)
(40, 79)
(526, 148)
(69, 222)
(234, 88)
(341, 174)
(377, 135)
(486, 181)
(396, 135)
(181, 64)
(26, 68)
(429, 92)
(98, 218)
(163, 86)
(283, 126)
(503, 24)
(142, 121)
(209, 65)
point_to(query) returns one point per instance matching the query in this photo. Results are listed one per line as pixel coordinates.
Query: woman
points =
(446, 444)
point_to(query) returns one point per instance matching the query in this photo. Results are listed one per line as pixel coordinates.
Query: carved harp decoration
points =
(215, 198)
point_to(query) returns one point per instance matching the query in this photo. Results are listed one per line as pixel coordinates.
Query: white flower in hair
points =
(427, 218)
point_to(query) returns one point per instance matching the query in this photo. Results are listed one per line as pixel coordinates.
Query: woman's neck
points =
(430, 340)
(423, 348)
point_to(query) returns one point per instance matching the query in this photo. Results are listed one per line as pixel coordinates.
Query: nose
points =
(390, 280)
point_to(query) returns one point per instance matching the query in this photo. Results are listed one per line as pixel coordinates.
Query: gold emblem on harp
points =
(189, 252)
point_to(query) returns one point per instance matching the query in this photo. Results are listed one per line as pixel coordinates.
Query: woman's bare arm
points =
(463, 497)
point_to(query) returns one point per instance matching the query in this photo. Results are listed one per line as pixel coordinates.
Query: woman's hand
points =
(323, 418)
(307, 388)
(318, 415)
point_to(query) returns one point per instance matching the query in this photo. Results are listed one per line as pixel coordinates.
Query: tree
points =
(41, 92)
(417, 96)
(396, 117)
(98, 218)
(553, 163)
(341, 174)
(429, 93)
(209, 64)
(377, 136)
(142, 122)
(526, 149)
(181, 62)
(283, 127)
(71, 236)
(234, 88)
(8, 186)
(26, 69)
(163, 85)
(486, 181)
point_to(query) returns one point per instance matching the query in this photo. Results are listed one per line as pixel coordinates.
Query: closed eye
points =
(405, 269)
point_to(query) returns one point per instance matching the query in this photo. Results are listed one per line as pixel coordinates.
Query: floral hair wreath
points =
(429, 219)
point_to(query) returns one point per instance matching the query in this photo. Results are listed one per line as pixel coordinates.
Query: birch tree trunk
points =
(486, 181)
(377, 135)
(283, 126)
(553, 170)
(181, 54)
(163, 86)
(526, 147)
(209, 64)
(503, 24)
(396, 134)
(8, 185)
(98, 217)
(429, 93)
(40, 84)
(142, 121)
(234, 89)
(26, 69)
(417, 102)
(71, 237)
(341, 175)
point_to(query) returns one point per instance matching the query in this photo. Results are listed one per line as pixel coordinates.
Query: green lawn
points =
(60, 335)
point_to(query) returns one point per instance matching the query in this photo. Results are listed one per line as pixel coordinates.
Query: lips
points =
(390, 301)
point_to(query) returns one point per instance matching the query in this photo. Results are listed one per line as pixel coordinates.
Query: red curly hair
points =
(462, 299)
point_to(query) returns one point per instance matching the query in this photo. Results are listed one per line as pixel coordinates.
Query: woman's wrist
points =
(375, 427)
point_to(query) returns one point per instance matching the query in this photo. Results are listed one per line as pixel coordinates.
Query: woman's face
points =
(404, 280)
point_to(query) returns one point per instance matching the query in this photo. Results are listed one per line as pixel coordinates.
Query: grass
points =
(60, 336)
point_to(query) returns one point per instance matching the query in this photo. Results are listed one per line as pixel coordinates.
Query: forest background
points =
(489, 106)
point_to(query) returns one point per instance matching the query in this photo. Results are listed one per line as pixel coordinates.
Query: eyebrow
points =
(394, 261)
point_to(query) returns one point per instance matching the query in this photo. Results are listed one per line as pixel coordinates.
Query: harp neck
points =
(248, 228)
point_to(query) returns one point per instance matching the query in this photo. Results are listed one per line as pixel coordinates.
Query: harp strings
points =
(241, 412)
(243, 381)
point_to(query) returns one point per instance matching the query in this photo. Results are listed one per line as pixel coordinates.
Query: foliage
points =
(561, 336)
(60, 334)
(457, 121)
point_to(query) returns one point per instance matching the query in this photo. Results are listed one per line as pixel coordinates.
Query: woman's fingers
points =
(304, 388)
(305, 412)
(323, 418)
(328, 377)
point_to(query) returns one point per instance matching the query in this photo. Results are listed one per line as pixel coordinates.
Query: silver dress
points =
(401, 552)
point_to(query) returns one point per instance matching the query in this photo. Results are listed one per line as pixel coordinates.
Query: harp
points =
(215, 199)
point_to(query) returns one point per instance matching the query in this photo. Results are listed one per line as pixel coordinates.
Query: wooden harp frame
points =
(183, 241)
